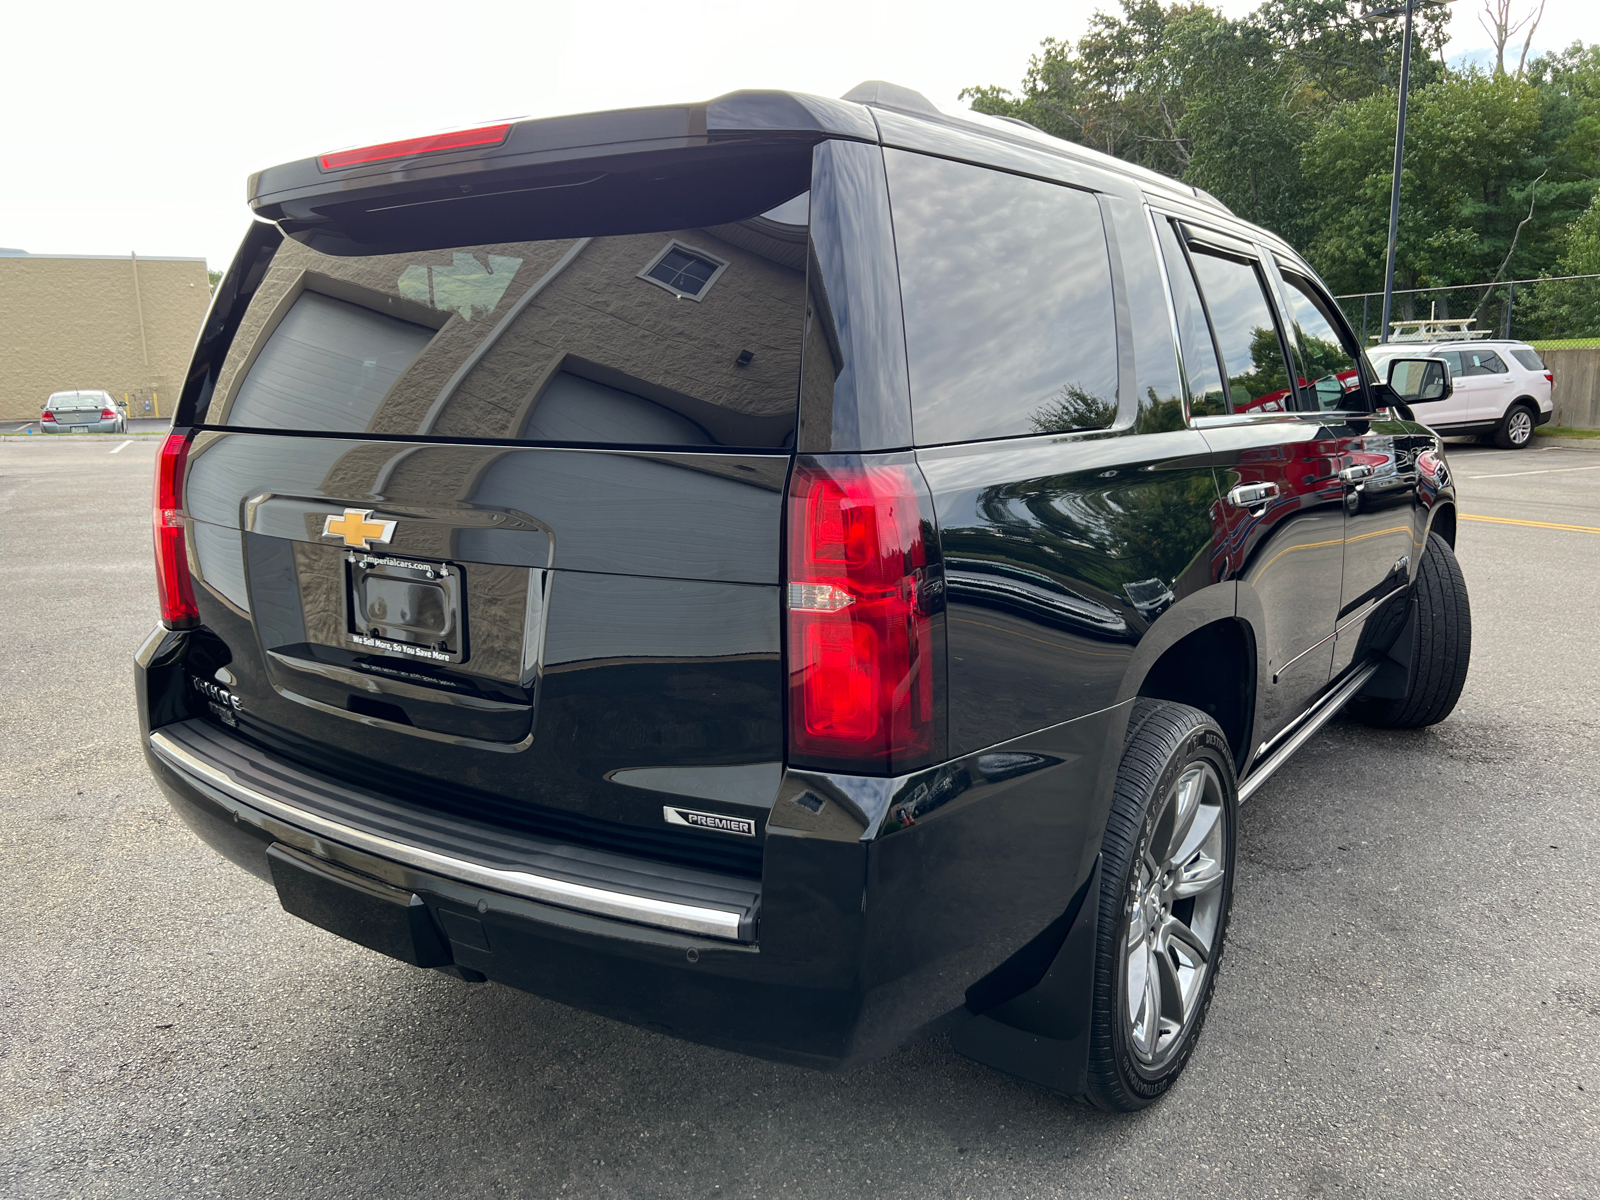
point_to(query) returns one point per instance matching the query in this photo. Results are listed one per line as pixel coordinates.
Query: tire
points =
(1515, 431)
(1176, 777)
(1441, 646)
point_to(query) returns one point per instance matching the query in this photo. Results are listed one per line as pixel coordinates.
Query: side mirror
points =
(1419, 380)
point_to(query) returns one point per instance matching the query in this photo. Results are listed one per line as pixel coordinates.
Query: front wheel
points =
(1166, 883)
(1515, 431)
(1441, 646)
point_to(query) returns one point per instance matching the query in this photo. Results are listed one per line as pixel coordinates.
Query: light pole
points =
(1409, 9)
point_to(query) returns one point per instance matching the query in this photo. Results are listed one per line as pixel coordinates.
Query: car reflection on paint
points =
(1033, 595)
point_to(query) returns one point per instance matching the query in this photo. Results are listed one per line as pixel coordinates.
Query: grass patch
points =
(1566, 431)
(1568, 344)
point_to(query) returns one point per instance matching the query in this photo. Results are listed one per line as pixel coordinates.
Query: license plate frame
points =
(377, 585)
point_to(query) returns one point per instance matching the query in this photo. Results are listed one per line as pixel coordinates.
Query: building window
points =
(684, 271)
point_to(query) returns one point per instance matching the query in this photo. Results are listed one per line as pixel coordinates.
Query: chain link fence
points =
(1556, 313)
(1558, 316)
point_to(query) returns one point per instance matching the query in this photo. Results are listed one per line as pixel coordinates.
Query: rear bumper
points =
(951, 895)
(706, 990)
(92, 427)
(309, 810)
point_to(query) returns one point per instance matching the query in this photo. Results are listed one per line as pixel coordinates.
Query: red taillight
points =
(178, 610)
(107, 415)
(47, 415)
(861, 659)
(1549, 378)
(462, 139)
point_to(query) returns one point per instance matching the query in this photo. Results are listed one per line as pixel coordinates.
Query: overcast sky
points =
(134, 126)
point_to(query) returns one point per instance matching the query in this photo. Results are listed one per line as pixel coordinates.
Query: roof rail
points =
(878, 94)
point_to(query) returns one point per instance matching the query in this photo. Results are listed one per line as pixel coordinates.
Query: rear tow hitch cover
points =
(366, 911)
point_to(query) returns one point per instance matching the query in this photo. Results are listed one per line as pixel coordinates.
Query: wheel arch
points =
(1203, 654)
(1443, 522)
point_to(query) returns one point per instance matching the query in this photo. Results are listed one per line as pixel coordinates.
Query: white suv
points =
(1502, 389)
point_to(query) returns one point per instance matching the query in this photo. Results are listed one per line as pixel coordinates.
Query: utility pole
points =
(1394, 186)
(1409, 9)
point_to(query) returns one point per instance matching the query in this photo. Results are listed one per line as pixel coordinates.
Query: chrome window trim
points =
(1150, 219)
(645, 910)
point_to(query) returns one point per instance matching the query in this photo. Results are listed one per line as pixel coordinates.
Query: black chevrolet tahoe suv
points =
(790, 573)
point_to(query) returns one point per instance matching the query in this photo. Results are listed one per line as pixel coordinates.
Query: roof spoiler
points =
(451, 194)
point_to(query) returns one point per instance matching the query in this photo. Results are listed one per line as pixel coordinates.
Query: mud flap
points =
(1393, 678)
(387, 919)
(1042, 1035)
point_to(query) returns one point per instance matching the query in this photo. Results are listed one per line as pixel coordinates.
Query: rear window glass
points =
(679, 337)
(1010, 323)
(1529, 358)
(1482, 362)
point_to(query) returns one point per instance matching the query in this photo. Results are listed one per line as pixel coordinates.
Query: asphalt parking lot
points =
(1409, 1005)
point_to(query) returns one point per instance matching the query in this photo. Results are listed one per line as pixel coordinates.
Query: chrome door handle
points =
(1252, 495)
(1356, 473)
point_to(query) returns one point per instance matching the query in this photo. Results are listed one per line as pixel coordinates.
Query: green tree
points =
(1288, 116)
(1074, 407)
(1569, 308)
(1120, 89)
(1222, 104)
(1472, 169)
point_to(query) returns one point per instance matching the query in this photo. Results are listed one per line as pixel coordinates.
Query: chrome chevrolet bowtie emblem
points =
(358, 529)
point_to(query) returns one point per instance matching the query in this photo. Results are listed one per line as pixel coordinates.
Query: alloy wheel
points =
(1519, 426)
(1174, 906)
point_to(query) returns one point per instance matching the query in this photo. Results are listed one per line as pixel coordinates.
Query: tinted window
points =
(1158, 389)
(1529, 358)
(1206, 395)
(675, 337)
(1010, 326)
(1482, 362)
(1247, 336)
(327, 365)
(1329, 363)
(1452, 360)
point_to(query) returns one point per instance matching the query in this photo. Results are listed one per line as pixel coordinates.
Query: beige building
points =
(81, 321)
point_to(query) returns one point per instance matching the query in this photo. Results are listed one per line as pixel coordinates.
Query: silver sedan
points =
(83, 412)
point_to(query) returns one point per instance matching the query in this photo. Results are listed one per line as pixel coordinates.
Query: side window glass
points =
(1490, 363)
(1247, 335)
(1009, 313)
(1158, 389)
(1452, 361)
(1332, 371)
(1207, 397)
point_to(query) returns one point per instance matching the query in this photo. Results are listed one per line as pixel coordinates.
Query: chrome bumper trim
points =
(644, 910)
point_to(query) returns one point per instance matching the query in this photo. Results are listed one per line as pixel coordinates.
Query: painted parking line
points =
(1546, 471)
(124, 445)
(1532, 524)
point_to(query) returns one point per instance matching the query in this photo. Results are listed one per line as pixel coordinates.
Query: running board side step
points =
(1313, 721)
